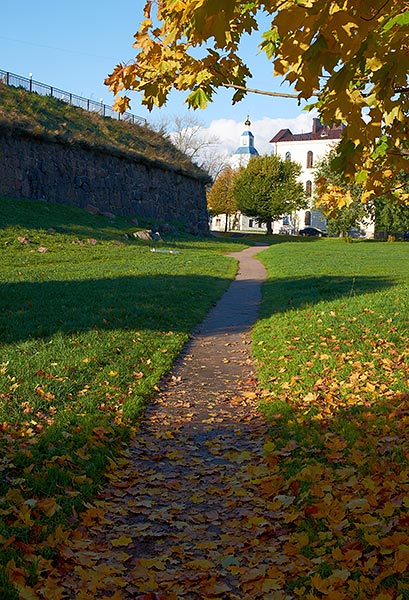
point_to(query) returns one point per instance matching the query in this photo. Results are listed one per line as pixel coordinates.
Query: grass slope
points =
(55, 120)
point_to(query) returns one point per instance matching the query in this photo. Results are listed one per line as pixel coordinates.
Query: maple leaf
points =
(26, 593)
(48, 506)
(121, 541)
(401, 559)
(201, 563)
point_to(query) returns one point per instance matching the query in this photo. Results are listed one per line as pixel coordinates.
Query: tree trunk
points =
(225, 223)
(269, 228)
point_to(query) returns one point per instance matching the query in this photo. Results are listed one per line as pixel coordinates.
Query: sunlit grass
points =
(332, 357)
(87, 329)
(332, 310)
(84, 318)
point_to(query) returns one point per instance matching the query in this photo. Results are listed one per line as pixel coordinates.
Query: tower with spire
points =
(246, 150)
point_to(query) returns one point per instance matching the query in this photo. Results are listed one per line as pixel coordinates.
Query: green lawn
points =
(87, 330)
(89, 327)
(328, 305)
(332, 350)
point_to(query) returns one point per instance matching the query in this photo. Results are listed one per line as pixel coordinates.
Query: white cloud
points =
(228, 131)
(214, 144)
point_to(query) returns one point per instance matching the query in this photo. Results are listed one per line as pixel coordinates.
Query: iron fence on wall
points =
(43, 89)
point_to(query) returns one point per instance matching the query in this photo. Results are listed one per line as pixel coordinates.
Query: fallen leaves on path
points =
(212, 502)
(221, 507)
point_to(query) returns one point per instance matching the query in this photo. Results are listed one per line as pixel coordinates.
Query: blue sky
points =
(74, 45)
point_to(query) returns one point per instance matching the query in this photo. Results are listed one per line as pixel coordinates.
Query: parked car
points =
(356, 233)
(312, 232)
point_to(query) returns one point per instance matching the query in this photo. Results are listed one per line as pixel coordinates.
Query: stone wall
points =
(70, 174)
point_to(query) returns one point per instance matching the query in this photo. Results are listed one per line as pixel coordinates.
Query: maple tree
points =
(349, 59)
(340, 218)
(267, 188)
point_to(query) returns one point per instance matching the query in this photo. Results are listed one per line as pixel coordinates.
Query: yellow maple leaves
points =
(121, 541)
(348, 58)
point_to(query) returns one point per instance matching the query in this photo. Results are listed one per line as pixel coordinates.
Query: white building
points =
(304, 148)
(307, 149)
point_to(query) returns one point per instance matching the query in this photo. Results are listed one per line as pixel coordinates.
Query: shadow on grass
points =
(37, 215)
(39, 309)
(297, 293)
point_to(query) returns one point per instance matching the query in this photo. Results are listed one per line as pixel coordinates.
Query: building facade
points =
(307, 149)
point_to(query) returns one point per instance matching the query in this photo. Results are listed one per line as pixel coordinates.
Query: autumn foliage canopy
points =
(348, 59)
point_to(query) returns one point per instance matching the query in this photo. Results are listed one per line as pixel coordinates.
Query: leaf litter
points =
(213, 502)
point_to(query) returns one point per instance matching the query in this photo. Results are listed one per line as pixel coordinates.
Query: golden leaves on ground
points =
(212, 502)
(207, 507)
(30, 553)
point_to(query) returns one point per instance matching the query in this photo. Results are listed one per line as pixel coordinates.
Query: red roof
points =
(318, 132)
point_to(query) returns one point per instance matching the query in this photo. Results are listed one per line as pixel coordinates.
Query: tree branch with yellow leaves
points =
(348, 59)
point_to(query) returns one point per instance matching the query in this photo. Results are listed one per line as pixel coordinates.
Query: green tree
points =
(391, 217)
(340, 219)
(267, 189)
(220, 198)
(349, 59)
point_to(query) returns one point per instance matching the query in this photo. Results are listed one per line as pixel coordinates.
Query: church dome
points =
(246, 142)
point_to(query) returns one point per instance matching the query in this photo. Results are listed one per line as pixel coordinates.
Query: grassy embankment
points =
(55, 120)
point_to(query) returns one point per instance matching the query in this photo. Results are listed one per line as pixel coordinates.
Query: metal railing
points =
(37, 87)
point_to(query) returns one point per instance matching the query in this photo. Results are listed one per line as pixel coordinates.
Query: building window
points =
(310, 159)
(307, 218)
(288, 156)
(308, 188)
(251, 222)
(286, 220)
